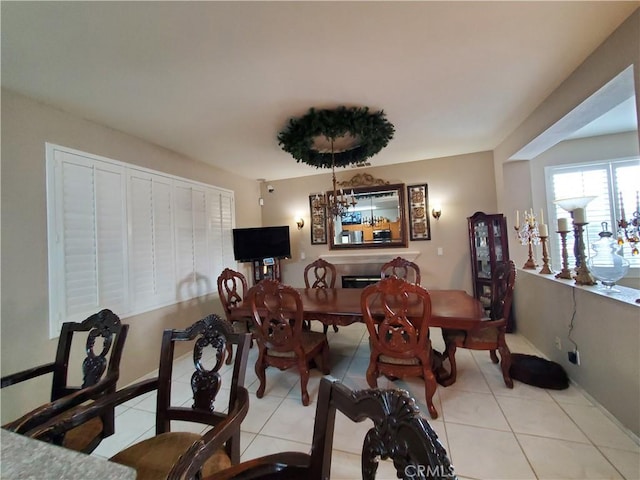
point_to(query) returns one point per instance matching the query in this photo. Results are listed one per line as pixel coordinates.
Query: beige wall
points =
(606, 331)
(463, 184)
(26, 126)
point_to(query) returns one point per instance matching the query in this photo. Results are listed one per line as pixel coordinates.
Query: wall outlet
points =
(558, 343)
(574, 357)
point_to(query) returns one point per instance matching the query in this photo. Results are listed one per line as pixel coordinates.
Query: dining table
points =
(452, 309)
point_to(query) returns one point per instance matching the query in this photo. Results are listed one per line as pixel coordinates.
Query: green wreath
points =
(372, 130)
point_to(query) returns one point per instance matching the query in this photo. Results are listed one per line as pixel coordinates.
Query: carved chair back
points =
(278, 317)
(401, 268)
(400, 344)
(232, 287)
(503, 282)
(398, 433)
(181, 454)
(100, 372)
(320, 274)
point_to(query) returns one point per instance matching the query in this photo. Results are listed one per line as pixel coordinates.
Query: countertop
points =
(24, 457)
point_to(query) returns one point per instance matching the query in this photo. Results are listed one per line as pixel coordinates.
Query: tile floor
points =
(489, 431)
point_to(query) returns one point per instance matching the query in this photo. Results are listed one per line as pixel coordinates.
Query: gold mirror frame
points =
(375, 232)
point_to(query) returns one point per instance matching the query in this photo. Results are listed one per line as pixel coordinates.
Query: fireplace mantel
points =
(381, 256)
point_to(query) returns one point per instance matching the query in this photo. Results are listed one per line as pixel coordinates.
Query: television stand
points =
(266, 268)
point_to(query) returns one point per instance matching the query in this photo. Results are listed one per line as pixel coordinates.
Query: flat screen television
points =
(261, 242)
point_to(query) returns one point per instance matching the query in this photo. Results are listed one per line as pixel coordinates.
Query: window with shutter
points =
(608, 182)
(129, 239)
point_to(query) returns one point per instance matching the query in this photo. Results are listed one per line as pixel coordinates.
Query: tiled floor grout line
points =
(511, 430)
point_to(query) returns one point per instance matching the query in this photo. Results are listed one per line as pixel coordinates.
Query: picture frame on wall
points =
(419, 222)
(318, 220)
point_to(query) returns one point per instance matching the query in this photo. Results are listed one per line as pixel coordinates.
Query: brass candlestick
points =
(583, 277)
(565, 272)
(530, 263)
(545, 257)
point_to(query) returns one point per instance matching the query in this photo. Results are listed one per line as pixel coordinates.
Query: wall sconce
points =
(436, 211)
(300, 223)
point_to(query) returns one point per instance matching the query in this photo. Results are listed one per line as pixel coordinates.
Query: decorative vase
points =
(607, 265)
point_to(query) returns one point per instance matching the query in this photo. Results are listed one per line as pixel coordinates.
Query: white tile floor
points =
(489, 431)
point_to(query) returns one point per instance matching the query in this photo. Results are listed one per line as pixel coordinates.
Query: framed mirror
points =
(378, 220)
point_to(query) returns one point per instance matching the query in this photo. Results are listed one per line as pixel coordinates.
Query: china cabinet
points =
(489, 245)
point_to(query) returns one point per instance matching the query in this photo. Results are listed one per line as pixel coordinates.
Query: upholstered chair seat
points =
(155, 457)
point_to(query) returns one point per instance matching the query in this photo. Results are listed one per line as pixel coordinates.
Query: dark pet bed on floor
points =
(538, 372)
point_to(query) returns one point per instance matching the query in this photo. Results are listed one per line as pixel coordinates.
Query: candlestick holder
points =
(528, 235)
(545, 257)
(565, 272)
(583, 277)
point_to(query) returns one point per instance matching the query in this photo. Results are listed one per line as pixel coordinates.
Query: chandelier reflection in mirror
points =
(629, 230)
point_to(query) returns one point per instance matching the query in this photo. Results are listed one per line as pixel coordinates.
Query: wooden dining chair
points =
(282, 342)
(401, 268)
(171, 454)
(490, 333)
(400, 345)
(100, 372)
(398, 433)
(232, 288)
(320, 274)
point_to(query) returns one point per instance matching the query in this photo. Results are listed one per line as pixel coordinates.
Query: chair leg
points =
(430, 386)
(303, 369)
(323, 360)
(505, 364)
(494, 357)
(372, 372)
(450, 352)
(261, 368)
(229, 360)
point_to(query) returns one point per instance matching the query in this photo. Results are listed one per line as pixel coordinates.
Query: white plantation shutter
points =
(604, 180)
(195, 273)
(227, 223)
(220, 238)
(202, 265)
(151, 242)
(130, 239)
(87, 225)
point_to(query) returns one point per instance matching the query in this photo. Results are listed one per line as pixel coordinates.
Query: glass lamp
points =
(570, 204)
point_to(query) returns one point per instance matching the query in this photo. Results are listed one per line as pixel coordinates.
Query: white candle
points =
(579, 216)
(517, 218)
(541, 217)
(542, 230)
(563, 224)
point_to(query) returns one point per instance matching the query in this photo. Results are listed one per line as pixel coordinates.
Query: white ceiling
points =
(217, 81)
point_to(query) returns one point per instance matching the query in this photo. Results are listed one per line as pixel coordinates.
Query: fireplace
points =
(359, 281)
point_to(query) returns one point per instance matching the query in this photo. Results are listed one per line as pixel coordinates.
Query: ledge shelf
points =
(351, 258)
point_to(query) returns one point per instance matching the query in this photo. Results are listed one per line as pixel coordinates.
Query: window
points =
(613, 183)
(129, 239)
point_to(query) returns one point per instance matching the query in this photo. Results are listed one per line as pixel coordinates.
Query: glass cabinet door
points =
(489, 245)
(483, 253)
